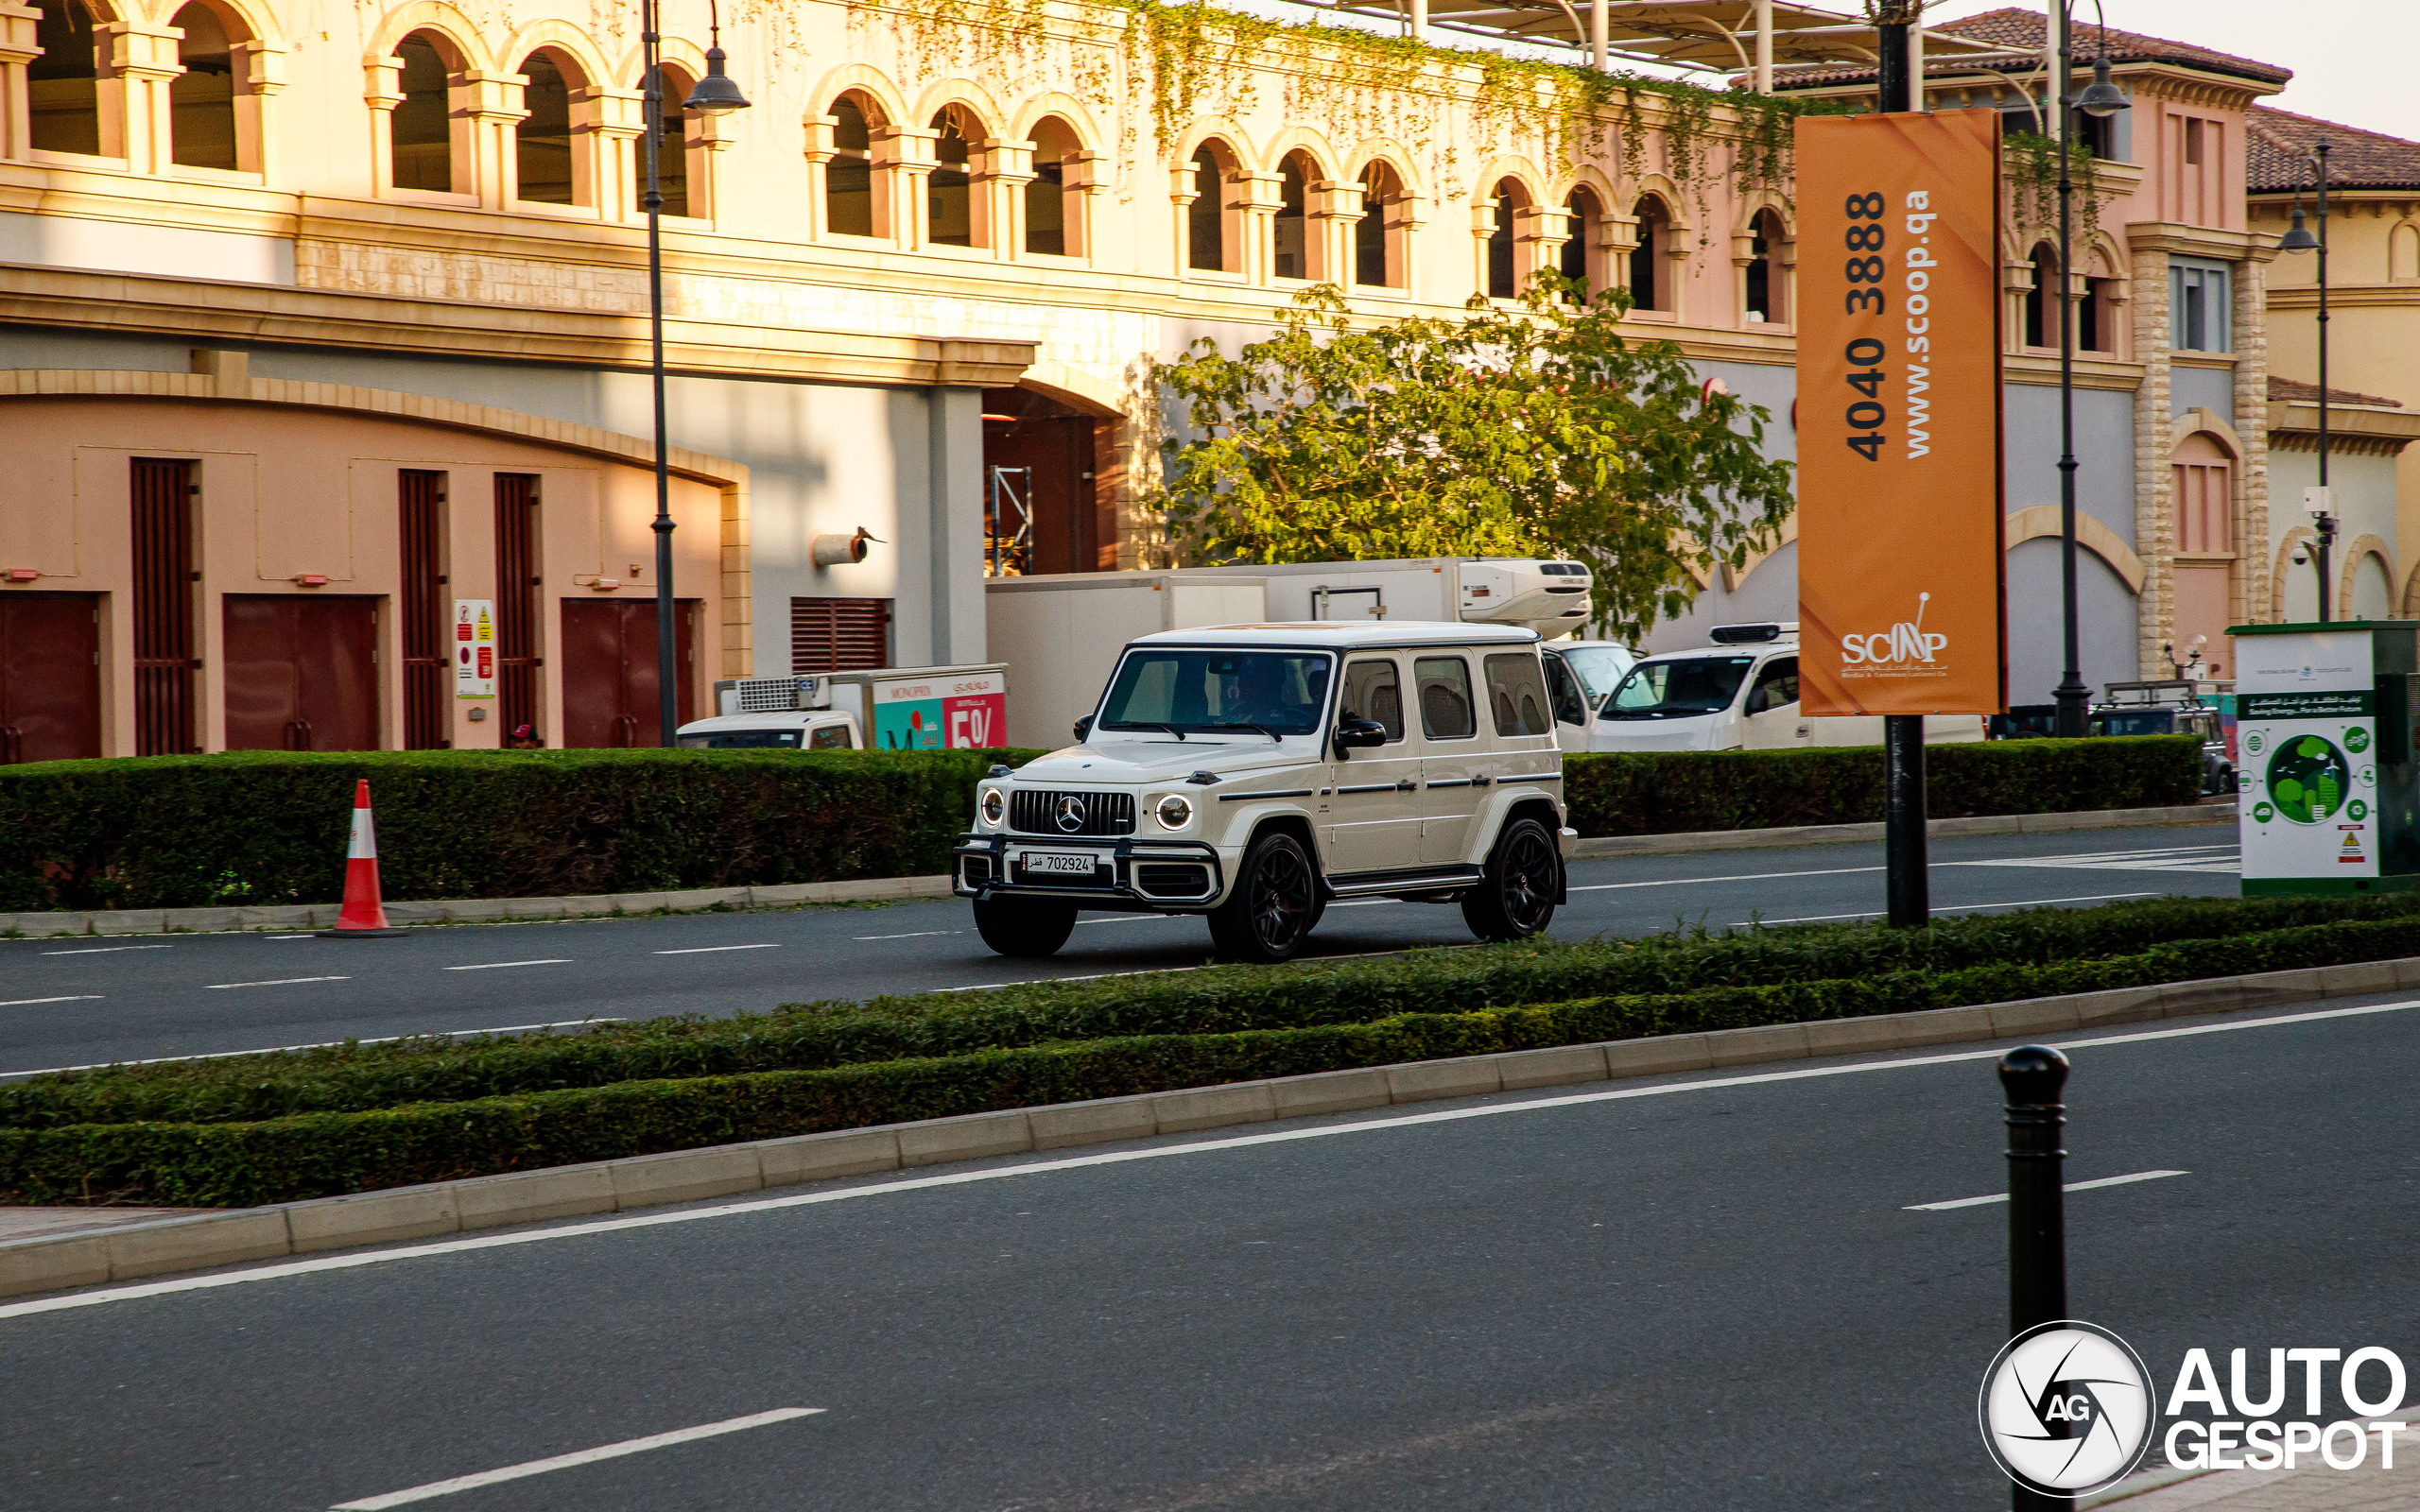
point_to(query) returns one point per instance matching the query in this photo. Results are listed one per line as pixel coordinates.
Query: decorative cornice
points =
(206, 311)
(2356, 432)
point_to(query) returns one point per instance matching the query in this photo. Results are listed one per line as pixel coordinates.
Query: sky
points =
(2353, 60)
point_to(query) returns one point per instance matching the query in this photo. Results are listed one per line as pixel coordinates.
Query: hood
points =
(1687, 732)
(1121, 761)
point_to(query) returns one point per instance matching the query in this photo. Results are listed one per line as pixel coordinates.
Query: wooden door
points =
(50, 678)
(610, 682)
(302, 673)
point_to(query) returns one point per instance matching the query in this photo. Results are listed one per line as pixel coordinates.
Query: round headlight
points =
(1175, 812)
(991, 805)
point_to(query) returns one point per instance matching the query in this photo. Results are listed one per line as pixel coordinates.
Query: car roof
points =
(1346, 635)
(1745, 648)
(767, 719)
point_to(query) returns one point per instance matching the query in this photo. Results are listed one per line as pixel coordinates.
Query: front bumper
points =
(1129, 873)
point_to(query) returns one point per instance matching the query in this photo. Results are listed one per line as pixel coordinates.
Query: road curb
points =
(1650, 845)
(698, 900)
(471, 910)
(92, 1257)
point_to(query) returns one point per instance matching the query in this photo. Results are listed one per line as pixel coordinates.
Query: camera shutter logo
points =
(2066, 1408)
(1071, 811)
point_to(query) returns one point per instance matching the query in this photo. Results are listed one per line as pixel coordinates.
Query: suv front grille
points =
(1036, 812)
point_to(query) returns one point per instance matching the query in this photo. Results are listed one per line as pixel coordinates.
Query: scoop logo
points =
(1903, 644)
(2066, 1408)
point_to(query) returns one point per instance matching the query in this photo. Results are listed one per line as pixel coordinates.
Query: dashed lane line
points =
(709, 949)
(2072, 1186)
(28, 1002)
(498, 966)
(564, 1462)
(108, 950)
(283, 981)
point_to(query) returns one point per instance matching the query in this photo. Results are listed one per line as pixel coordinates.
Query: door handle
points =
(625, 730)
(1407, 785)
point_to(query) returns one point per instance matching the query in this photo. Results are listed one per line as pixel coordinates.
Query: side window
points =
(1445, 683)
(829, 737)
(1373, 690)
(1776, 685)
(1516, 694)
(1570, 699)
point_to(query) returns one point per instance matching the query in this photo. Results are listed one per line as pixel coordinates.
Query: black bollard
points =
(2035, 1077)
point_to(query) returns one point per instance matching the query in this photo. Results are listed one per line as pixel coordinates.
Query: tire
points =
(1024, 926)
(1274, 905)
(1516, 895)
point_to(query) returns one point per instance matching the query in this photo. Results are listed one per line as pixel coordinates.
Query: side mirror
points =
(1757, 701)
(1084, 728)
(1356, 733)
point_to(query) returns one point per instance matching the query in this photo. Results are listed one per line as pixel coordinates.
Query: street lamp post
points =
(2101, 98)
(2321, 501)
(714, 96)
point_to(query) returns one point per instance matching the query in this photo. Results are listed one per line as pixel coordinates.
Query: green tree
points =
(1536, 431)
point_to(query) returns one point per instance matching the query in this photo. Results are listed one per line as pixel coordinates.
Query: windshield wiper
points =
(1248, 725)
(1145, 724)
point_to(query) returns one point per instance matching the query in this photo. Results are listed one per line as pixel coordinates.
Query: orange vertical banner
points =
(1900, 583)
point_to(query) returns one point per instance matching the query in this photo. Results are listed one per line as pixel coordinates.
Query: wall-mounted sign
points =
(2305, 737)
(949, 713)
(474, 648)
(1899, 554)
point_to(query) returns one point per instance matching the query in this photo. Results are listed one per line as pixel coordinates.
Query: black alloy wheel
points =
(1275, 901)
(1515, 896)
(1024, 926)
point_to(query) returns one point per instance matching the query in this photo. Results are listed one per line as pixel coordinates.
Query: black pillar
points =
(2034, 1077)
(1903, 735)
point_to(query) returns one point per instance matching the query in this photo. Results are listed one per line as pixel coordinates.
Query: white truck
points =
(1063, 632)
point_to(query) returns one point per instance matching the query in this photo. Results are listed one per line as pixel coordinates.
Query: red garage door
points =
(51, 682)
(609, 671)
(302, 673)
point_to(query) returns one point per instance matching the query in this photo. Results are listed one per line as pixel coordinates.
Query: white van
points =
(773, 729)
(1739, 694)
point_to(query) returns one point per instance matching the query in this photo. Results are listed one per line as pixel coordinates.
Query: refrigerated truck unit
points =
(1064, 631)
(952, 708)
(2325, 737)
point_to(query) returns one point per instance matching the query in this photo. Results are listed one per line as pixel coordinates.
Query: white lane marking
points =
(498, 966)
(1959, 908)
(283, 981)
(2072, 1186)
(2215, 858)
(28, 1002)
(322, 1044)
(810, 1199)
(106, 950)
(1751, 876)
(916, 934)
(709, 949)
(289, 936)
(586, 1456)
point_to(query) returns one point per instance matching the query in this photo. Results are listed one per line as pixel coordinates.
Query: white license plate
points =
(1061, 863)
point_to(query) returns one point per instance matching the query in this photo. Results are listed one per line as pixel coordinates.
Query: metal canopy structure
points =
(1747, 37)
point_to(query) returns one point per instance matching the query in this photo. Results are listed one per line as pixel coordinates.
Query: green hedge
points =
(325, 1153)
(261, 827)
(1678, 792)
(1218, 999)
(265, 827)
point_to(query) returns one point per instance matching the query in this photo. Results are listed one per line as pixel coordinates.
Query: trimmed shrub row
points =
(2238, 935)
(1681, 792)
(268, 827)
(325, 1153)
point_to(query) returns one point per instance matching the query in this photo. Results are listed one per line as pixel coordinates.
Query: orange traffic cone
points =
(364, 914)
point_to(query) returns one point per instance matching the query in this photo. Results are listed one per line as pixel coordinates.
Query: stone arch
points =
(1378, 246)
(458, 32)
(65, 78)
(1733, 577)
(1306, 141)
(1209, 194)
(2359, 549)
(579, 54)
(1222, 133)
(552, 153)
(2403, 253)
(964, 94)
(1658, 235)
(1076, 388)
(2043, 519)
(1067, 108)
(2281, 569)
(1400, 161)
(863, 80)
(678, 54)
(212, 103)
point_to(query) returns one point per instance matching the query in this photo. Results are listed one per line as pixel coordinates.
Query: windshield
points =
(1698, 685)
(1280, 693)
(1598, 667)
(744, 740)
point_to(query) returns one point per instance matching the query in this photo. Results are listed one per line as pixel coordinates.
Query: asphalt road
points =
(1703, 1292)
(76, 1003)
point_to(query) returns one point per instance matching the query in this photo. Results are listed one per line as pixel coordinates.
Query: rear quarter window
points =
(1516, 696)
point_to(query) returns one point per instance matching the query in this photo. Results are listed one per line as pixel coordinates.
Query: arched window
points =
(1766, 284)
(1053, 210)
(671, 148)
(1509, 200)
(1206, 219)
(542, 142)
(2403, 254)
(2041, 314)
(2205, 495)
(1646, 279)
(848, 179)
(951, 188)
(421, 127)
(201, 100)
(1583, 222)
(64, 82)
(1293, 229)
(2096, 316)
(1377, 258)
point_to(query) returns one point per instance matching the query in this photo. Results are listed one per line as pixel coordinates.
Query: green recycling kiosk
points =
(2325, 732)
